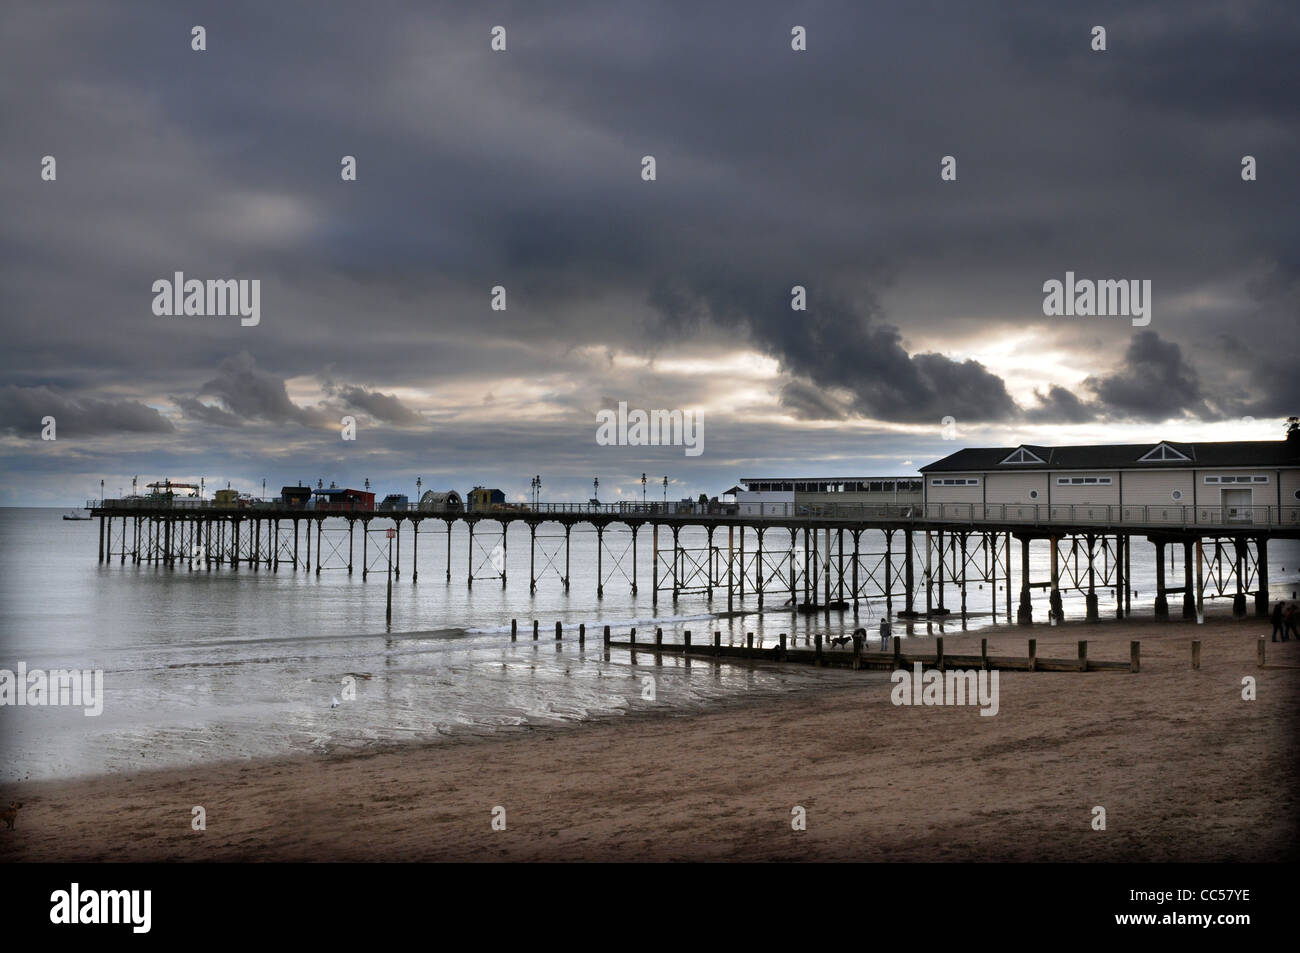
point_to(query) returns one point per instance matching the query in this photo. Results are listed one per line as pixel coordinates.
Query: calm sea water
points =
(212, 665)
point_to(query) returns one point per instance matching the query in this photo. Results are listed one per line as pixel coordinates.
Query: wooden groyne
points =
(858, 657)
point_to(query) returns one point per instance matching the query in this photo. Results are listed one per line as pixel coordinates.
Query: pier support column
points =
(295, 541)
(1189, 591)
(1091, 600)
(1162, 601)
(654, 565)
(676, 578)
(448, 522)
(397, 562)
(1128, 576)
(740, 580)
(234, 544)
(1120, 581)
(352, 525)
(600, 563)
(1239, 598)
(963, 576)
(101, 539)
(857, 534)
(1200, 580)
(941, 551)
(794, 596)
(469, 550)
(275, 547)
(1261, 567)
(929, 575)
(889, 574)
(505, 550)
(635, 528)
(758, 563)
(320, 554)
(532, 557)
(307, 567)
(567, 532)
(1025, 611)
(708, 562)
(365, 546)
(909, 578)
(255, 557)
(415, 551)
(731, 558)
(1054, 610)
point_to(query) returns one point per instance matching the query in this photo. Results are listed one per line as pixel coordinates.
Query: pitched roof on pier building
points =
(1164, 455)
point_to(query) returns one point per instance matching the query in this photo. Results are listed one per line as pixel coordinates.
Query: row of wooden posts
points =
(860, 658)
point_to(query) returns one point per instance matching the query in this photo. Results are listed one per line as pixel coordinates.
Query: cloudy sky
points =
(523, 169)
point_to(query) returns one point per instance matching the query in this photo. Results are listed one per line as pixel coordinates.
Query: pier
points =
(806, 557)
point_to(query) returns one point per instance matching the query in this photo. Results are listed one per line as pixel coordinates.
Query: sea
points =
(203, 665)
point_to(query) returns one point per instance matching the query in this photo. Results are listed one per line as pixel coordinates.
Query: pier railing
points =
(1172, 516)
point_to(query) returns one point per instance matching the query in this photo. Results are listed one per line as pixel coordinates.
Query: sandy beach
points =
(1184, 767)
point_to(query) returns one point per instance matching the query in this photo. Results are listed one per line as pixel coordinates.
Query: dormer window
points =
(1023, 456)
(1163, 452)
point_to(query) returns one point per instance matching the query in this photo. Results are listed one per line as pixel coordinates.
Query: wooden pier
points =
(922, 559)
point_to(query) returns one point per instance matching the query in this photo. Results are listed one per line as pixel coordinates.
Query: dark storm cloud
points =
(811, 403)
(251, 394)
(1154, 382)
(837, 344)
(1059, 404)
(23, 408)
(383, 407)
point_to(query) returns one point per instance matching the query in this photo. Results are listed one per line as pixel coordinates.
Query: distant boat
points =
(74, 515)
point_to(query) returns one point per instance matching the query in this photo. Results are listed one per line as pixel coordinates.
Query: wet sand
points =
(1185, 769)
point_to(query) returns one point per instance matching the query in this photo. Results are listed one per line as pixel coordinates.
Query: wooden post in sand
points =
(514, 629)
(1033, 655)
(717, 643)
(1135, 656)
(984, 654)
(817, 643)
(1260, 652)
(1196, 654)
(1083, 655)
(857, 652)
(898, 652)
(659, 637)
(631, 636)
(559, 632)
(582, 633)
(783, 646)
(686, 641)
(749, 640)
(606, 636)
(938, 652)
(534, 630)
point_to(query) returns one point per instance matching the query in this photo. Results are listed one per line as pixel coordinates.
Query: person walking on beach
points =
(1291, 620)
(1278, 625)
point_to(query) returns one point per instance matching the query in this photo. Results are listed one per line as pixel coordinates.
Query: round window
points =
(1033, 494)
(1177, 495)
(1297, 494)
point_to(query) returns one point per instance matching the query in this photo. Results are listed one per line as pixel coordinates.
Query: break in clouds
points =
(866, 169)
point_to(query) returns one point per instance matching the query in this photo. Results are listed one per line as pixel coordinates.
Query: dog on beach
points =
(841, 641)
(10, 813)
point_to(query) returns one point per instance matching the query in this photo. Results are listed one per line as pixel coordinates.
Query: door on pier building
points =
(1237, 506)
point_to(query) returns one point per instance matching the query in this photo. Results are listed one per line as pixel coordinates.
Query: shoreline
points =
(1185, 769)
